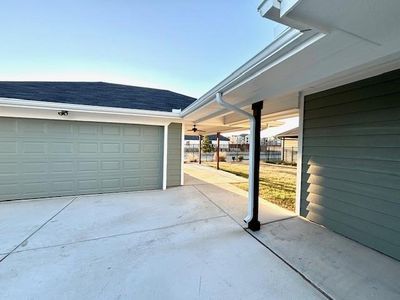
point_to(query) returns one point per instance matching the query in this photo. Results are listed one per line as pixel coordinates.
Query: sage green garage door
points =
(43, 158)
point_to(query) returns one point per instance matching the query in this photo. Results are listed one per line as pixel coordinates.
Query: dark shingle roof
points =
(96, 93)
(210, 137)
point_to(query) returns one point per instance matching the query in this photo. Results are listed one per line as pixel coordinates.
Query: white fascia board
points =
(83, 108)
(288, 37)
(287, 6)
(19, 108)
(277, 10)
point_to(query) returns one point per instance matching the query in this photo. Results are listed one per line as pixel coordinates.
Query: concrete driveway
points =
(174, 244)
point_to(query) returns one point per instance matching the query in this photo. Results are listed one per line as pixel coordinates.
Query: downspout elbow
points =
(252, 120)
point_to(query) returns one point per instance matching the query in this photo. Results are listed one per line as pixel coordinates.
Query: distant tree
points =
(207, 146)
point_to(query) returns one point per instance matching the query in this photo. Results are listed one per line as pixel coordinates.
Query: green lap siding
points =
(174, 164)
(351, 161)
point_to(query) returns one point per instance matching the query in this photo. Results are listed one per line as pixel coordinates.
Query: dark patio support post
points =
(200, 137)
(218, 136)
(254, 224)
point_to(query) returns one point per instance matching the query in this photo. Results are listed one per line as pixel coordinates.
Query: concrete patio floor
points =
(173, 244)
(340, 267)
(183, 243)
(218, 186)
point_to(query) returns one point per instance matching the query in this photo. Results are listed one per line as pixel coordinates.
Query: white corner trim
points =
(183, 155)
(165, 157)
(299, 154)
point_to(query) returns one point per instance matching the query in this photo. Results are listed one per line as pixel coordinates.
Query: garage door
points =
(42, 158)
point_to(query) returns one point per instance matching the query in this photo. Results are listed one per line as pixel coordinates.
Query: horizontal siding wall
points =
(351, 161)
(174, 154)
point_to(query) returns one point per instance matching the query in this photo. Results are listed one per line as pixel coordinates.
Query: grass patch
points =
(277, 183)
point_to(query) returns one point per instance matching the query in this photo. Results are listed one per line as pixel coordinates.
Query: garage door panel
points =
(9, 191)
(149, 181)
(61, 147)
(131, 148)
(29, 127)
(110, 148)
(87, 166)
(132, 182)
(63, 186)
(88, 147)
(129, 165)
(151, 131)
(35, 168)
(114, 183)
(110, 166)
(43, 158)
(151, 148)
(8, 126)
(8, 168)
(8, 147)
(152, 164)
(34, 147)
(113, 130)
(62, 166)
(131, 131)
(87, 129)
(35, 187)
(87, 185)
(56, 129)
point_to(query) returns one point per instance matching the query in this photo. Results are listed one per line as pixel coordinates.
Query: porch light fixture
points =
(63, 113)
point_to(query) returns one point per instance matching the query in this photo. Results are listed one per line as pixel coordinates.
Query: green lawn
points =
(277, 183)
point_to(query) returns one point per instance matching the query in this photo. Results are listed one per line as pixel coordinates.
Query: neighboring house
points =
(240, 139)
(69, 138)
(289, 144)
(192, 141)
(337, 67)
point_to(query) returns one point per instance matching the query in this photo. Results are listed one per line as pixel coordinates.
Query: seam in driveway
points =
(272, 251)
(274, 221)
(219, 207)
(120, 234)
(40, 227)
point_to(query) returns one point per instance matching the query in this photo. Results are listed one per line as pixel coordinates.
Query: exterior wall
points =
(174, 154)
(351, 161)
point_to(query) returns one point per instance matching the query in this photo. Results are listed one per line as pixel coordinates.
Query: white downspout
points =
(252, 120)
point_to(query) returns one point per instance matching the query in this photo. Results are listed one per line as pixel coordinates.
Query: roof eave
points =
(23, 103)
(271, 53)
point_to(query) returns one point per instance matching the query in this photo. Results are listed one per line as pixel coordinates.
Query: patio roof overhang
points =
(329, 44)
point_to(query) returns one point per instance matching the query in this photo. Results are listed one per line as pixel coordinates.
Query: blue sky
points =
(183, 45)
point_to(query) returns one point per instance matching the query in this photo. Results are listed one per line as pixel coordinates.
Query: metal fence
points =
(268, 153)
